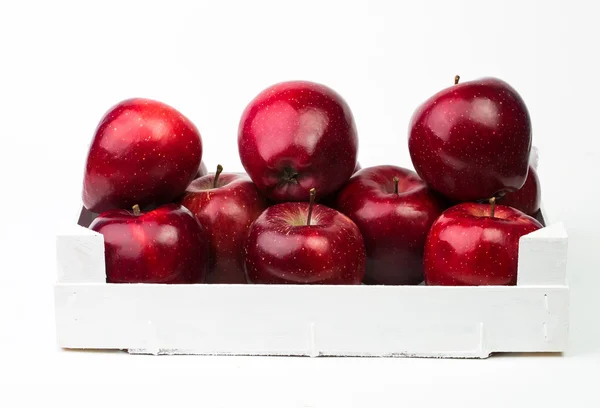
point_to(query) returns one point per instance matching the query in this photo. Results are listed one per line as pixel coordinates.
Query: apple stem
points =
(396, 181)
(313, 192)
(136, 210)
(456, 79)
(217, 174)
(493, 204)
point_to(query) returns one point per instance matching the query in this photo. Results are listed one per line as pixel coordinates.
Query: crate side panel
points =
(318, 320)
(543, 257)
(80, 256)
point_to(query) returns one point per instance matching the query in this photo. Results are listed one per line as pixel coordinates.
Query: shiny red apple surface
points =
(472, 244)
(528, 197)
(144, 152)
(329, 201)
(286, 245)
(165, 245)
(226, 209)
(295, 136)
(472, 141)
(393, 209)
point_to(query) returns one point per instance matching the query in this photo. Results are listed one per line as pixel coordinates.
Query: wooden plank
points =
(312, 320)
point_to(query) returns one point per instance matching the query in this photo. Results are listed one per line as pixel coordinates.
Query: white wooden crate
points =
(467, 322)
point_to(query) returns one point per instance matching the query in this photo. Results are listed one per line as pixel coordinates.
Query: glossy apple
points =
(144, 152)
(329, 200)
(472, 141)
(165, 245)
(304, 243)
(473, 244)
(225, 205)
(393, 209)
(202, 170)
(295, 136)
(528, 197)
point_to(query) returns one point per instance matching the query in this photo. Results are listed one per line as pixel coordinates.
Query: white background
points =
(62, 65)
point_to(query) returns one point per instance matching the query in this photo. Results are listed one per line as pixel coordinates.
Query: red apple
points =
(295, 136)
(165, 245)
(304, 243)
(144, 152)
(202, 170)
(393, 209)
(329, 200)
(472, 141)
(528, 197)
(474, 244)
(225, 205)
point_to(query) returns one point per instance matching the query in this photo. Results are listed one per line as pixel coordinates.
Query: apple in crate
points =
(304, 243)
(165, 245)
(329, 200)
(528, 197)
(474, 244)
(144, 153)
(225, 204)
(393, 209)
(202, 170)
(472, 141)
(295, 136)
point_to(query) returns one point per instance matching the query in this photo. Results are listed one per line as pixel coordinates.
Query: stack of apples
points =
(305, 212)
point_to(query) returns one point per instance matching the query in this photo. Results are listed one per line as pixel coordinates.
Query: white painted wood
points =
(543, 257)
(468, 322)
(312, 320)
(80, 255)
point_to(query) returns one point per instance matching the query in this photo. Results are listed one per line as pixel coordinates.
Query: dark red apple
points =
(329, 200)
(202, 170)
(144, 152)
(528, 197)
(295, 136)
(226, 205)
(472, 141)
(474, 244)
(165, 245)
(304, 243)
(393, 209)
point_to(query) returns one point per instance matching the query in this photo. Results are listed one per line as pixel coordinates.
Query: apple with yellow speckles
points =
(304, 243)
(472, 141)
(295, 136)
(394, 209)
(143, 153)
(474, 244)
(225, 204)
(164, 245)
